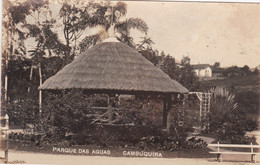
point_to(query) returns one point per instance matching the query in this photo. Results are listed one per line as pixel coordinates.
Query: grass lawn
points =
(239, 84)
(246, 91)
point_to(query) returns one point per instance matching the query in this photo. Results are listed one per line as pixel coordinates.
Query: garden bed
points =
(114, 151)
(115, 141)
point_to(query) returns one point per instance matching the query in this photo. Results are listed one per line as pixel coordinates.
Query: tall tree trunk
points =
(10, 40)
(31, 72)
(6, 79)
(40, 91)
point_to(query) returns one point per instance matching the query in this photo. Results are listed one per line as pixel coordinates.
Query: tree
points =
(145, 43)
(76, 17)
(107, 15)
(245, 69)
(47, 41)
(169, 66)
(256, 70)
(151, 55)
(187, 75)
(232, 71)
(124, 28)
(29, 19)
(216, 65)
(14, 14)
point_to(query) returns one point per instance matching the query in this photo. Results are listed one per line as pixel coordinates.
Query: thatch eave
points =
(113, 67)
(111, 91)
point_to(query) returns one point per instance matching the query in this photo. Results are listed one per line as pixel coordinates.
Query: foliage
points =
(225, 119)
(75, 19)
(222, 100)
(151, 55)
(235, 71)
(235, 127)
(169, 66)
(248, 102)
(142, 111)
(183, 73)
(187, 75)
(256, 71)
(37, 139)
(182, 118)
(145, 44)
(68, 111)
(23, 90)
(106, 15)
(170, 143)
(22, 112)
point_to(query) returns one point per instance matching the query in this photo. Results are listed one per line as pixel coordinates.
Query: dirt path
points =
(38, 158)
(238, 158)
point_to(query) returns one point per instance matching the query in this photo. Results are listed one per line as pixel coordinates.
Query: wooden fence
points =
(253, 150)
(4, 140)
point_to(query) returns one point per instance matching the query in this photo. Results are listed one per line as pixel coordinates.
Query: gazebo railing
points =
(104, 117)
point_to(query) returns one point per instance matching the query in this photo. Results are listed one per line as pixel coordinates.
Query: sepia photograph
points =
(130, 82)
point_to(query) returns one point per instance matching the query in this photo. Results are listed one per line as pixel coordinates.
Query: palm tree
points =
(222, 104)
(107, 16)
(222, 100)
(124, 28)
(146, 41)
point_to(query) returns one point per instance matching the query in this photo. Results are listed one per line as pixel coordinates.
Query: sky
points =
(228, 33)
(207, 32)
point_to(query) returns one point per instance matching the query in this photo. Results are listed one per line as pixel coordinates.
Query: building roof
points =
(112, 66)
(200, 66)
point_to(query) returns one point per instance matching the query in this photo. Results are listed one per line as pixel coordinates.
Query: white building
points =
(202, 70)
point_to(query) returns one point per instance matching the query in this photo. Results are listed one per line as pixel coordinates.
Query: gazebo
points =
(111, 68)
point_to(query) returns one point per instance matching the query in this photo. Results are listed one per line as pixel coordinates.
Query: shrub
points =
(22, 112)
(68, 112)
(170, 143)
(226, 120)
(183, 116)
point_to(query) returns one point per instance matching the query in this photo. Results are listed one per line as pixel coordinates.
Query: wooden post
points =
(252, 153)
(218, 146)
(219, 156)
(110, 108)
(6, 137)
(168, 125)
(164, 112)
(110, 114)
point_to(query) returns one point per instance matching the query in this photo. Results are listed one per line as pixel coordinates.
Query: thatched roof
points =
(114, 66)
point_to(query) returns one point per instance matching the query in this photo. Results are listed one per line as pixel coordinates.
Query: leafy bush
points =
(26, 139)
(183, 116)
(67, 118)
(170, 143)
(248, 102)
(69, 111)
(22, 112)
(226, 120)
(143, 111)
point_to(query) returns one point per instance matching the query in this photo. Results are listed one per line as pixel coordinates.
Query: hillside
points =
(246, 90)
(234, 84)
